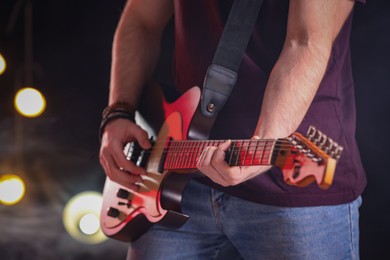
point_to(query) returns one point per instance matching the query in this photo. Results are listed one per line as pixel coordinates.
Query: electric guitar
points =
(171, 162)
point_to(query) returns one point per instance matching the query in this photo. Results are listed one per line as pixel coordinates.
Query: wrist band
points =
(119, 106)
(113, 115)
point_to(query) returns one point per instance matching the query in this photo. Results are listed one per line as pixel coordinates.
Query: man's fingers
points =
(142, 138)
(225, 146)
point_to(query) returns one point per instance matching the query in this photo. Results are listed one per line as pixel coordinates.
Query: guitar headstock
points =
(305, 159)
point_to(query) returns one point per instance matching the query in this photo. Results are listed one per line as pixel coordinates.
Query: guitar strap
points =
(222, 74)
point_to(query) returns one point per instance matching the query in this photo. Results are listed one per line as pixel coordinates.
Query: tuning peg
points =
(339, 149)
(318, 138)
(311, 132)
(328, 145)
(335, 151)
(323, 141)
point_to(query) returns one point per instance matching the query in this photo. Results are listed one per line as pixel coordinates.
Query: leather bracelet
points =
(113, 115)
(117, 107)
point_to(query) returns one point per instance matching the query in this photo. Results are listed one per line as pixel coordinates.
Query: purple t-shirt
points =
(199, 25)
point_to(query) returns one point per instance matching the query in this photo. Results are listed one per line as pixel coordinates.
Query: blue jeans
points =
(226, 227)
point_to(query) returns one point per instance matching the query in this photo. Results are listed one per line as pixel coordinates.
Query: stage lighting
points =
(29, 102)
(89, 224)
(81, 218)
(12, 189)
(3, 64)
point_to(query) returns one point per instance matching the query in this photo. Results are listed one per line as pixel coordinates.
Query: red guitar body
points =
(159, 198)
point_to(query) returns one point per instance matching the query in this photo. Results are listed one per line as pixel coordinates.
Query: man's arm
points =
(136, 47)
(135, 53)
(312, 27)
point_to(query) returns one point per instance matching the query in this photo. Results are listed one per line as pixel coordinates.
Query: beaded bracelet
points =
(118, 106)
(116, 111)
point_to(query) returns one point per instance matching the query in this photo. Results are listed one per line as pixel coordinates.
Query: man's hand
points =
(116, 135)
(212, 164)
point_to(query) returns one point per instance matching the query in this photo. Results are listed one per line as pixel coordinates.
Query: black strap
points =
(222, 74)
(236, 34)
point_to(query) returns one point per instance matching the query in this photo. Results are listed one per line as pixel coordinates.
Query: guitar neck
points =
(183, 155)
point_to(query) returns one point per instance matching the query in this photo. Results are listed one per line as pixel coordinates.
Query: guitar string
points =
(218, 142)
(188, 159)
(231, 149)
(191, 147)
(234, 149)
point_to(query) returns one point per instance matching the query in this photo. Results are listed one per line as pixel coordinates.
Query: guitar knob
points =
(123, 194)
(113, 212)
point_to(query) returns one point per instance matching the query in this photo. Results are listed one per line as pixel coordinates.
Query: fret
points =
(238, 152)
(232, 152)
(265, 153)
(191, 153)
(205, 144)
(238, 158)
(246, 145)
(260, 152)
(168, 157)
(266, 159)
(246, 152)
(182, 160)
(181, 155)
(199, 145)
(254, 152)
(176, 154)
(186, 158)
(171, 154)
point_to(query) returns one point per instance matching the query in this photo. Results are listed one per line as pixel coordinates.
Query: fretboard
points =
(181, 155)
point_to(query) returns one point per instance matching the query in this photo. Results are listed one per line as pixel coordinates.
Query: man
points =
(296, 72)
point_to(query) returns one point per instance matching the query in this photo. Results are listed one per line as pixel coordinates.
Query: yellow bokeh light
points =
(81, 218)
(3, 64)
(12, 189)
(29, 102)
(89, 224)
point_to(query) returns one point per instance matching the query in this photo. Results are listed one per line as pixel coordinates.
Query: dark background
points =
(57, 153)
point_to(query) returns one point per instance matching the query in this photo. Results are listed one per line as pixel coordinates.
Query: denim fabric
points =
(226, 227)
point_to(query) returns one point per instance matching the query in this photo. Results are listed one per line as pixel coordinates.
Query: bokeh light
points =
(3, 64)
(12, 189)
(81, 217)
(89, 224)
(29, 102)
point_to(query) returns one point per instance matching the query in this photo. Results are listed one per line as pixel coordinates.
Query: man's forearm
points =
(136, 48)
(291, 89)
(135, 53)
(311, 30)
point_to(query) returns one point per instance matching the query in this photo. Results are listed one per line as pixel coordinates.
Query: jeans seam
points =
(215, 207)
(351, 230)
(352, 227)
